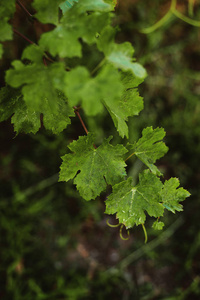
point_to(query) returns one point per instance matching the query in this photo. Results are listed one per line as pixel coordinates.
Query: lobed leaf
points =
(92, 91)
(69, 32)
(47, 11)
(129, 104)
(171, 196)
(150, 195)
(27, 120)
(120, 55)
(150, 147)
(93, 168)
(38, 82)
(130, 203)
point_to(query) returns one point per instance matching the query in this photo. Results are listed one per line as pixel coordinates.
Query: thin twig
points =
(44, 61)
(24, 9)
(81, 120)
(46, 57)
(76, 109)
(23, 36)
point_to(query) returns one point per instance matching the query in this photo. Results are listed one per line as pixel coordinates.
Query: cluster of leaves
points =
(50, 82)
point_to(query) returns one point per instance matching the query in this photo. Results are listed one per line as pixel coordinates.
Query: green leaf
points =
(157, 225)
(24, 119)
(97, 167)
(69, 32)
(171, 196)
(130, 81)
(47, 11)
(91, 91)
(130, 203)
(38, 82)
(7, 9)
(28, 120)
(91, 5)
(149, 147)
(83, 89)
(8, 99)
(150, 195)
(120, 55)
(129, 104)
(58, 120)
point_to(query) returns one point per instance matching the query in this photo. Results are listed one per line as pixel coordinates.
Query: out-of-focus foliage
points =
(53, 245)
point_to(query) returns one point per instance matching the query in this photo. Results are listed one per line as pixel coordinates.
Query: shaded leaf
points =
(150, 147)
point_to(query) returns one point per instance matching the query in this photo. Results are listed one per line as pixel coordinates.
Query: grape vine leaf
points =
(7, 9)
(129, 104)
(27, 120)
(47, 11)
(150, 147)
(93, 168)
(91, 91)
(150, 194)
(120, 55)
(38, 81)
(171, 196)
(8, 100)
(158, 225)
(58, 120)
(69, 32)
(24, 119)
(130, 203)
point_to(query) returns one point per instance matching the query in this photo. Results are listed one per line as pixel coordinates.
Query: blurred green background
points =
(55, 245)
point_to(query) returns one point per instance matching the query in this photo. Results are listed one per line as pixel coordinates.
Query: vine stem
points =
(76, 110)
(24, 8)
(31, 42)
(23, 36)
(98, 66)
(173, 11)
(44, 61)
(81, 120)
(130, 156)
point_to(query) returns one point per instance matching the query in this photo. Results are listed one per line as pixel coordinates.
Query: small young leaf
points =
(158, 225)
(149, 147)
(98, 167)
(171, 196)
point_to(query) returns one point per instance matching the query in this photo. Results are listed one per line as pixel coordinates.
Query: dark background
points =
(55, 245)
